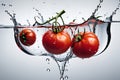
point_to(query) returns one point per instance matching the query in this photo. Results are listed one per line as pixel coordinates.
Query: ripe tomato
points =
(85, 44)
(56, 43)
(27, 37)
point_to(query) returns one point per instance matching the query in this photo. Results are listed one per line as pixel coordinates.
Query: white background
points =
(16, 65)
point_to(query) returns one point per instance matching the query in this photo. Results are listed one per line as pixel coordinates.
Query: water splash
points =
(98, 7)
(117, 8)
(93, 24)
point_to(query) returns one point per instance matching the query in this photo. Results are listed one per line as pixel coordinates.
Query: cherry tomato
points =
(56, 43)
(85, 44)
(27, 37)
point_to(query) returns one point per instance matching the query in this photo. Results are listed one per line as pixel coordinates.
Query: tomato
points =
(85, 44)
(27, 37)
(56, 43)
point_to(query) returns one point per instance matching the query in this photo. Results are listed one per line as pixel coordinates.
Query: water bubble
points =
(48, 69)
(89, 50)
(66, 77)
(6, 11)
(101, 0)
(54, 42)
(47, 59)
(10, 5)
(3, 4)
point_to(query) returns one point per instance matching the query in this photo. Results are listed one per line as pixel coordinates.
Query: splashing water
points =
(101, 28)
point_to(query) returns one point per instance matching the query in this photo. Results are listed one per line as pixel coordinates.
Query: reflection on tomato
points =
(56, 43)
(27, 37)
(85, 44)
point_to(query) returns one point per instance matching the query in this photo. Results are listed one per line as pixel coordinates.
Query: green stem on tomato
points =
(58, 15)
(78, 38)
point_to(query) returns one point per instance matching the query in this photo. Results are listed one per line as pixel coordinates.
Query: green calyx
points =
(78, 38)
(23, 37)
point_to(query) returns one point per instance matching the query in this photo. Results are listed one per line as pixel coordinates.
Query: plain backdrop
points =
(16, 65)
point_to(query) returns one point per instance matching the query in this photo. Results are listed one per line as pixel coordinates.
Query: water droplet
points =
(89, 50)
(47, 59)
(6, 10)
(3, 4)
(61, 78)
(54, 42)
(48, 69)
(101, 1)
(66, 77)
(95, 51)
(10, 5)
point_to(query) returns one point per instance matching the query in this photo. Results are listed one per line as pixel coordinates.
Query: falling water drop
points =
(10, 5)
(48, 69)
(61, 78)
(66, 77)
(3, 4)
(48, 60)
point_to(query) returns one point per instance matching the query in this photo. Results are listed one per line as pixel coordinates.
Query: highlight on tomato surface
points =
(85, 44)
(27, 37)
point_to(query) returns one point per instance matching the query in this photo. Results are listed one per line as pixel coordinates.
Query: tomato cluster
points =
(83, 44)
(57, 41)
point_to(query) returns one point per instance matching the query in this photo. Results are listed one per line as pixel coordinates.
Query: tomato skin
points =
(27, 37)
(87, 46)
(56, 43)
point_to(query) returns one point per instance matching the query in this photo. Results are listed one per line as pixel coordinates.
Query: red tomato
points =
(56, 43)
(27, 37)
(85, 44)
